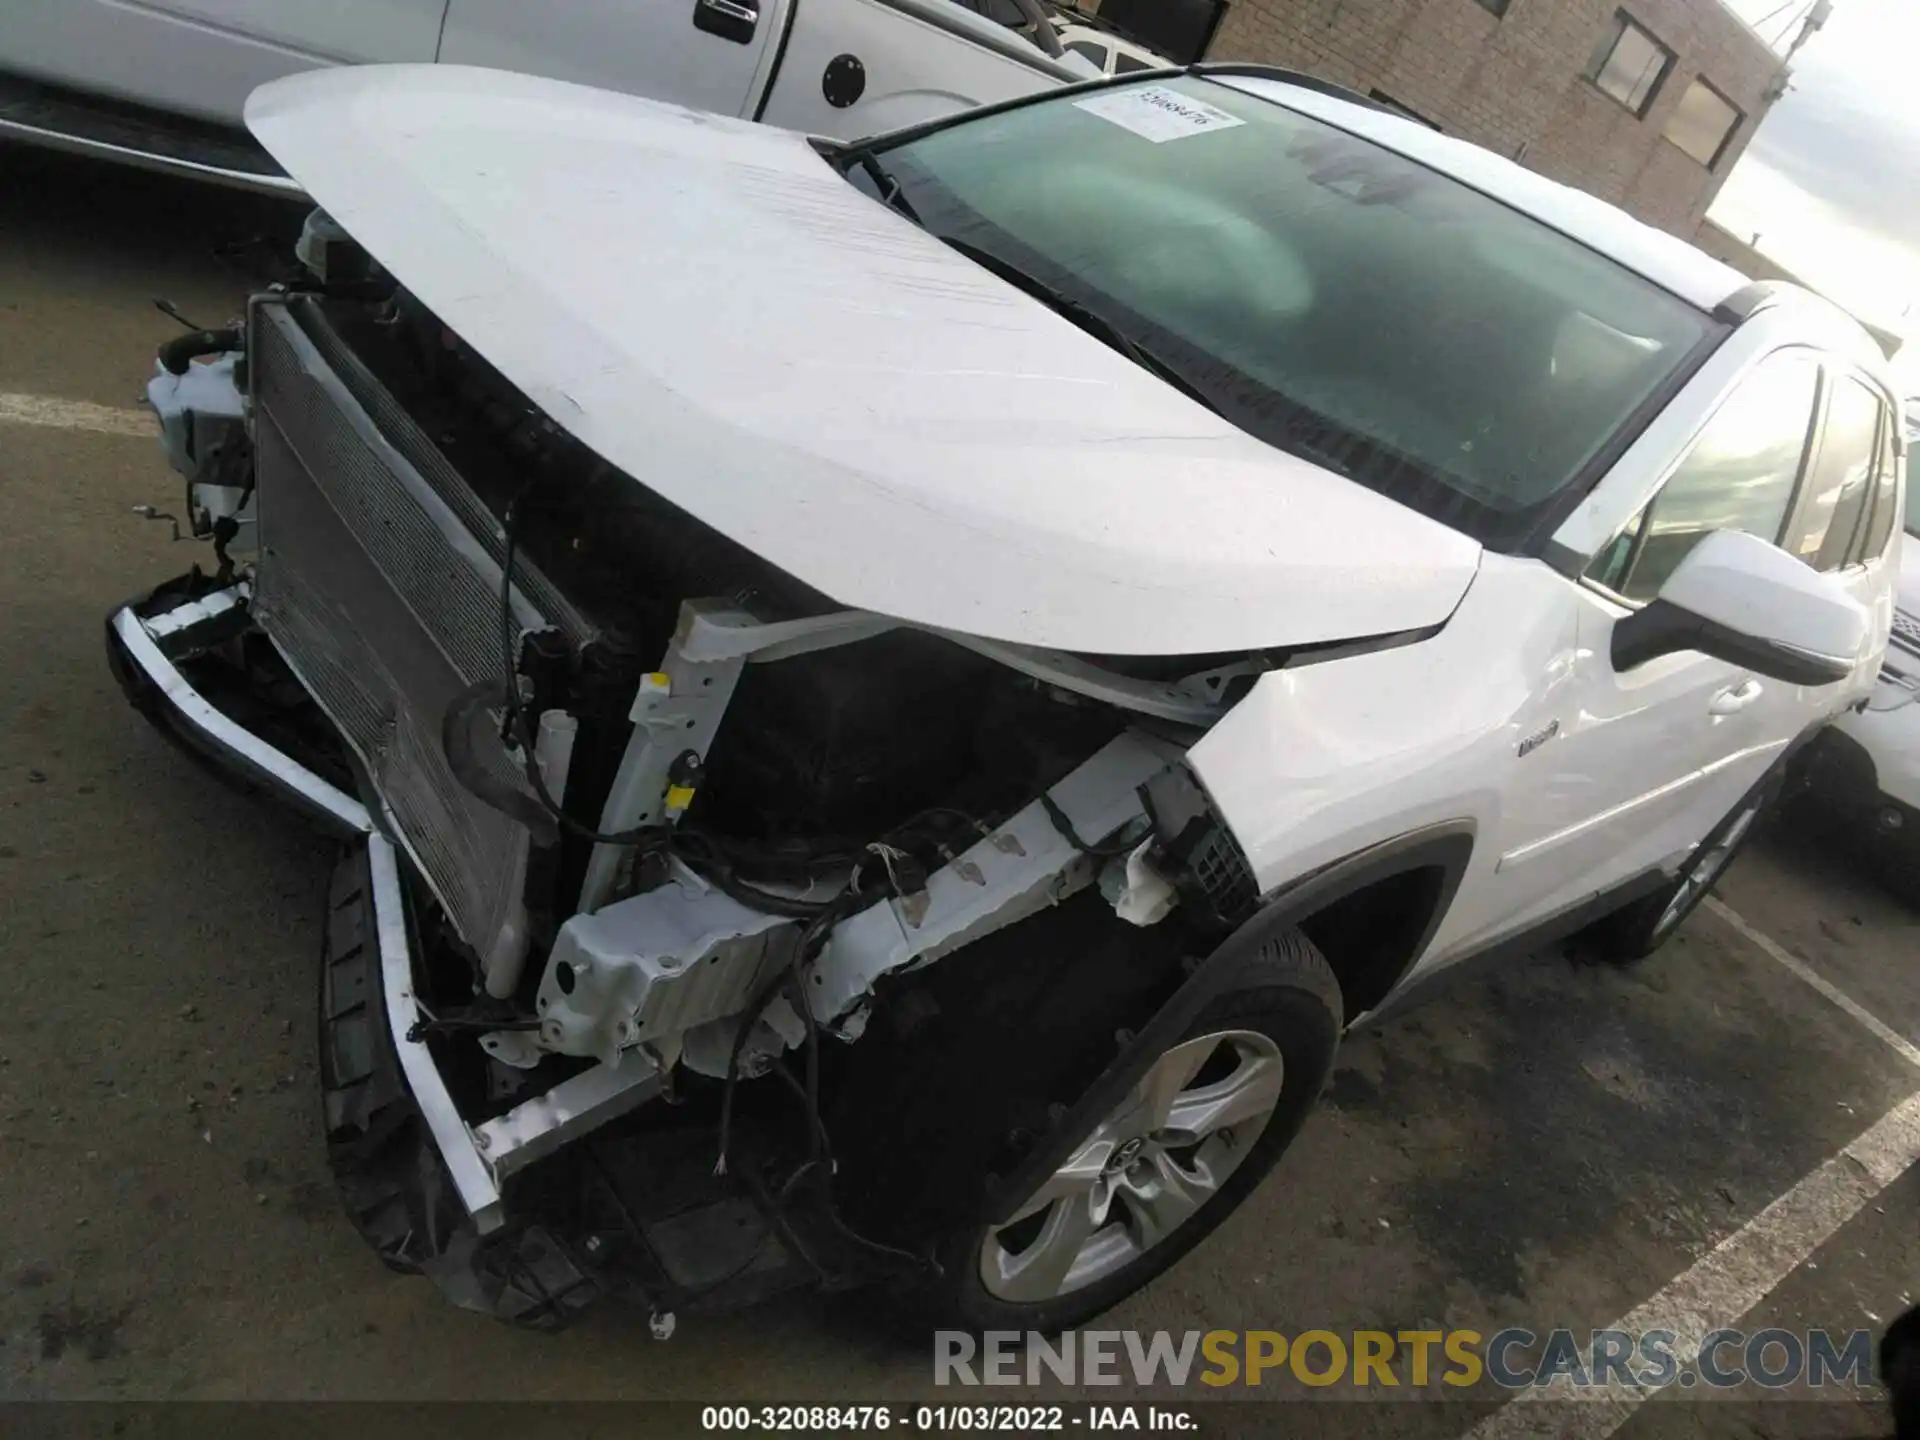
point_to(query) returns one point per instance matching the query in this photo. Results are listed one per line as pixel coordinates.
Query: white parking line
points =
(1907, 1049)
(55, 414)
(1729, 1280)
(1743, 1269)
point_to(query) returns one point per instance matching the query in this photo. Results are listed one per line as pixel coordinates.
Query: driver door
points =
(1646, 761)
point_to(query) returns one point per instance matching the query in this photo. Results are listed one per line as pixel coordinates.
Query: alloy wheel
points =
(1144, 1171)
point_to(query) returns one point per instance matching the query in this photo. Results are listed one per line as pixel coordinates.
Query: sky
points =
(1831, 181)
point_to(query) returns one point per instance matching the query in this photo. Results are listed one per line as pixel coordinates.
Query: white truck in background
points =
(162, 84)
(1864, 769)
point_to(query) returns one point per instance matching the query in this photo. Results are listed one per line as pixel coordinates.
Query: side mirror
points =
(1739, 599)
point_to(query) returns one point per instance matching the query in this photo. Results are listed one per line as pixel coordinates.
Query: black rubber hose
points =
(539, 812)
(469, 707)
(178, 353)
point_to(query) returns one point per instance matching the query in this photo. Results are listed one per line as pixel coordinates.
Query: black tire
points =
(1888, 835)
(1295, 1002)
(1896, 864)
(384, 1164)
(1635, 931)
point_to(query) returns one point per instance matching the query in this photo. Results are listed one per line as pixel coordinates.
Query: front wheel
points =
(1172, 1160)
(1639, 929)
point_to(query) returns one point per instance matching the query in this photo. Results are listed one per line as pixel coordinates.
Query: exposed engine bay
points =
(679, 839)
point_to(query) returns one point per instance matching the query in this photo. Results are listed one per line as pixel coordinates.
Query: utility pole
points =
(1817, 17)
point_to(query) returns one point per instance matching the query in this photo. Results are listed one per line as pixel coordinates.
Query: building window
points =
(1407, 110)
(1704, 123)
(1630, 64)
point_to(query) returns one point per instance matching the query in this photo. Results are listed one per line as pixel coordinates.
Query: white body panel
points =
(1653, 759)
(341, 30)
(647, 48)
(915, 70)
(814, 376)
(1620, 774)
(1324, 761)
(204, 57)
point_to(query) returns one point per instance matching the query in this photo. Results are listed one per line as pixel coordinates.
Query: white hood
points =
(712, 309)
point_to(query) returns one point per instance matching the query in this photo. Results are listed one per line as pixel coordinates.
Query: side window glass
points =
(1886, 496)
(1840, 480)
(1611, 566)
(1096, 53)
(1739, 475)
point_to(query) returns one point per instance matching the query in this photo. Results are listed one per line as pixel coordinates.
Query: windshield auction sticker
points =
(1158, 114)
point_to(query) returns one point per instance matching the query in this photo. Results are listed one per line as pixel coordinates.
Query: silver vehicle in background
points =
(161, 84)
(1866, 767)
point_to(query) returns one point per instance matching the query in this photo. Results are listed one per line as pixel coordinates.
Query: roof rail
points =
(1289, 77)
(1745, 302)
(1750, 299)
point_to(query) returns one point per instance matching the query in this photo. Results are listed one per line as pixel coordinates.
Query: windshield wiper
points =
(884, 180)
(1083, 315)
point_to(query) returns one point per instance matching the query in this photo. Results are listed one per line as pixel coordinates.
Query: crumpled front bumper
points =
(150, 650)
(141, 652)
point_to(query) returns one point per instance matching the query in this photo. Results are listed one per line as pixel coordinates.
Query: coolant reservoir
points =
(203, 431)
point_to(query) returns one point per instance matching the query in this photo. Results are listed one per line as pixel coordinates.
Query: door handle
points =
(1735, 698)
(729, 19)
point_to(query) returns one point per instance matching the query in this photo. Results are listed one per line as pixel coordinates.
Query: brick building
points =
(1646, 103)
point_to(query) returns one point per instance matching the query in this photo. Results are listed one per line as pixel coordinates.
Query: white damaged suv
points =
(889, 703)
